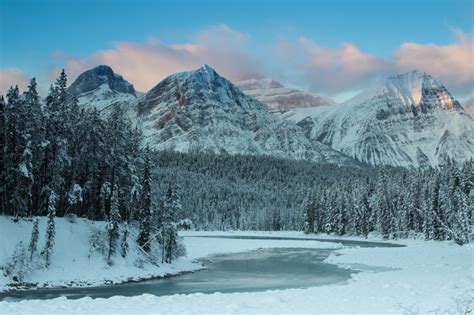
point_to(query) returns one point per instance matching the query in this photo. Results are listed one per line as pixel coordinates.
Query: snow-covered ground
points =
(420, 278)
(74, 264)
(73, 261)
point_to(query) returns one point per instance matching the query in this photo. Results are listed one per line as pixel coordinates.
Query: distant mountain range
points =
(278, 97)
(409, 120)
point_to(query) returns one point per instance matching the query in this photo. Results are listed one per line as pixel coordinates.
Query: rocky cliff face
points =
(101, 88)
(202, 111)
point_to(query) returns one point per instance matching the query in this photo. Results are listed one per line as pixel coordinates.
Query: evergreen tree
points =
(146, 211)
(437, 214)
(113, 231)
(309, 213)
(34, 238)
(461, 228)
(50, 229)
(124, 242)
(3, 122)
(171, 206)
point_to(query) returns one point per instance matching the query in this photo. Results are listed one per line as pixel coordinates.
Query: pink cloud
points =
(332, 69)
(145, 64)
(11, 77)
(452, 64)
(347, 67)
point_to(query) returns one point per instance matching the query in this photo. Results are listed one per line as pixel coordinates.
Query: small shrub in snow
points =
(185, 224)
(180, 250)
(98, 242)
(17, 266)
(70, 217)
(75, 195)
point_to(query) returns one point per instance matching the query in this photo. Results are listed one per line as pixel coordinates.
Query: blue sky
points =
(289, 40)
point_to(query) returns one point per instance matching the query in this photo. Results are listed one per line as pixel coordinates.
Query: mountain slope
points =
(469, 106)
(200, 111)
(101, 88)
(407, 120)
(277, 97)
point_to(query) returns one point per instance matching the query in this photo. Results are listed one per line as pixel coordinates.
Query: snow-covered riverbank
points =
(420, 278)
(75, 265)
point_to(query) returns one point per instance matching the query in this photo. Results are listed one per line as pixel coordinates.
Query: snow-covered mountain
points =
(202, 111)
(278, 97)
(101, 88)
(469, 106)
(407, 120)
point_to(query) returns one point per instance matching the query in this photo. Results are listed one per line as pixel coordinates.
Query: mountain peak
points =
(94, 78)
(101, 88)
(413, 91)
(207, 68)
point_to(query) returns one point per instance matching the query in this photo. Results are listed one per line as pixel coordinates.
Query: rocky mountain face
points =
(409, 120)
(200, 111)
(278, 97)
(101, 88)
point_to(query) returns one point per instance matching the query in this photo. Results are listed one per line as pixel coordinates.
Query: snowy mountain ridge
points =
(200, 111)
(101, 88)
(278, 97)
(407, 120)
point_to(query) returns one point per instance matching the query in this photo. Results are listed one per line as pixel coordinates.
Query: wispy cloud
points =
(348, 67)
(145, 64)
(332, 69)
(452, 63)
(11, 77)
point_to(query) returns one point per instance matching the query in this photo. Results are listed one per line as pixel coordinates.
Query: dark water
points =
(260, 270)
(347, 243)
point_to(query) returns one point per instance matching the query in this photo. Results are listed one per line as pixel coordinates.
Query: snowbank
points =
(73, 263)
(420, 278)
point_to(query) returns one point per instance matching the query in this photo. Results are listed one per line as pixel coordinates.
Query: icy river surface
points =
(258, 270)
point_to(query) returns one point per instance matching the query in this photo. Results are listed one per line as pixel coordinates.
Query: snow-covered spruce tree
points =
(113, 231)
(461, 228)
(50, 229)
(171, 206)
(3, 196)
(360, 213)
(146, 210)
(32, 247)
(34, 127)
(17, 266)
(309, 213)
(439, 232)
(17, 180)
(124, 241)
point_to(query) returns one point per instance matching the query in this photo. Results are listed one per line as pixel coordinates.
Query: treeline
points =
(437, 204)
(55, 146)
(245, 192)
(58, 158)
